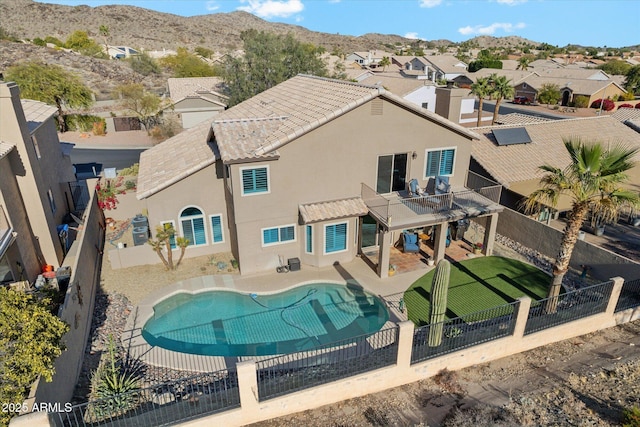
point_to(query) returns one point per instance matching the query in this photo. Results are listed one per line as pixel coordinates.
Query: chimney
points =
(449, 101)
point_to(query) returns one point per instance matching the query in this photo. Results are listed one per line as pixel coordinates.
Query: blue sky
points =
(612, 23)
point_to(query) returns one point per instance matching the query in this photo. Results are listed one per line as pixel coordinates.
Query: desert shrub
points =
(39, 42)
(631, 417)
(82, 122)
(144, 64)
(54, 41)
(607, 104)
(625, 106)
(114, 383)
(581, 101)
(637, 105)
(99, 127)
(628, 96)
(130, 171)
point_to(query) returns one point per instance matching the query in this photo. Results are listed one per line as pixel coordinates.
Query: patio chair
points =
(414, 188)
(442, 185)
(410, 242)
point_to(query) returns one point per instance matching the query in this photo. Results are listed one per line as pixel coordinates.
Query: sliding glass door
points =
(392, 173)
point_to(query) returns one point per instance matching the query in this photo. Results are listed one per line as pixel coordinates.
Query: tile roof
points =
(519, 119)
(296, 106)
(516, 76)
(257, 127)
(5, 148)
(322, 211)
(395, 83)
(513, 163)
(180, 88)
(624, 114)
(37, 112)
(175, 159)
(446, 63)
(577, 86)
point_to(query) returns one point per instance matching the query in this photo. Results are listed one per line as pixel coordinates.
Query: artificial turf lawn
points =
(478, 284)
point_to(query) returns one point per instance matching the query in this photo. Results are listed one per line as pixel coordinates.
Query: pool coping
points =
(138, 347)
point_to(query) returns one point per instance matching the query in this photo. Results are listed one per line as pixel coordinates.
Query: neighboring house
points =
(196, 99)
(312, 169)
(628, 116)
(444, 67)
(121, 52)
(419, 92)
(513, 158)
(515, 76)
(35, 191)
(573, 73)
(368, 58)
(569, 88)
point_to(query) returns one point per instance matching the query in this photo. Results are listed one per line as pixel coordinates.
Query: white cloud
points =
(511, 2)
(272, 8)
(430, 3)
(490, 29)
(413, 36)
(212, 5)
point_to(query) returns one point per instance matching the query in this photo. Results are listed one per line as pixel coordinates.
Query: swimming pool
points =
(228, 323)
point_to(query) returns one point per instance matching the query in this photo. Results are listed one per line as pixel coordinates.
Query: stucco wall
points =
(330, 163)
(26, 250)
(546, 240)
(84, 258)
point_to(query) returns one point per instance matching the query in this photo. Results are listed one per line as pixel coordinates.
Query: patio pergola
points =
(393, 212)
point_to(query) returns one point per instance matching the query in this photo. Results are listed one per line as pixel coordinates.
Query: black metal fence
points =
(629, 296)
(464, 331)
(160, 405)
(288, 373)
(568, 307)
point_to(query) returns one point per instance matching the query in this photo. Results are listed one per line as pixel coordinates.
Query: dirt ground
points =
(585, 381)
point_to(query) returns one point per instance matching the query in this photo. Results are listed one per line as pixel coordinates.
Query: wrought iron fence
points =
(629, 296)
(568, 307)
(288, 373)
(160, 405)
(79, 194)
(433, 340)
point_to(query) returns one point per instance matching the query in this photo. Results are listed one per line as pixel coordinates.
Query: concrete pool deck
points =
(355, 272)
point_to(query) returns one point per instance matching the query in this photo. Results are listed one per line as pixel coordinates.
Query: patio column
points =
(384, 240)
(490, 234)
(440, 241)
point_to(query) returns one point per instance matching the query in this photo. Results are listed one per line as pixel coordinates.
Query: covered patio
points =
(397, 212)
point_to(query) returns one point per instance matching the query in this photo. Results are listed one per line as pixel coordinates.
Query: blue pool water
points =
(224, 323)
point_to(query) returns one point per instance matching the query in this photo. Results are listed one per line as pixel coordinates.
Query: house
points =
(368, 58)
(569, 88)
(121, 52)
(196, 99)
(511, 155)
(312, 170)
(444, 67)
(35, 187)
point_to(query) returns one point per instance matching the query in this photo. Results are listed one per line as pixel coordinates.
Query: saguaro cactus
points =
(439, 291)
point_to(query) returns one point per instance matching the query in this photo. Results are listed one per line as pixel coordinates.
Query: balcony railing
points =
(396, 211)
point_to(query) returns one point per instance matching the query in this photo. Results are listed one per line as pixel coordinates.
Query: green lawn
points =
(478, 284)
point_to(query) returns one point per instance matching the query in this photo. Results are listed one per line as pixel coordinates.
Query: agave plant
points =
(114, 385)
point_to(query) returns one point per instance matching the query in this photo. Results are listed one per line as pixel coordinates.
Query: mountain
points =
(151, 30)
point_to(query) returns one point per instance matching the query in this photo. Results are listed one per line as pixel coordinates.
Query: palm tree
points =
(384, 63)
(523, 62)
(502, 89)
(481, 88)
(592, 180)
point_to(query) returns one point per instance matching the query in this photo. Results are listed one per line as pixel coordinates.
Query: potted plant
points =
(477, 248)
(392, 269)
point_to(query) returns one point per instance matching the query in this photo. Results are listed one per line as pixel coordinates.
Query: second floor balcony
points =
(399, 210)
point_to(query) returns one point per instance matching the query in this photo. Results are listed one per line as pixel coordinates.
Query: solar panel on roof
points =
(511, 136)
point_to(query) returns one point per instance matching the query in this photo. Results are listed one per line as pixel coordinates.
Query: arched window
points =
(192, 224)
